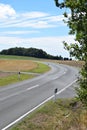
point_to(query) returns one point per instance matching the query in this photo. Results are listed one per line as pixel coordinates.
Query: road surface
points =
(18, 100)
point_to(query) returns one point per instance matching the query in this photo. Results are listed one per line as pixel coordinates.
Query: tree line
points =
(31, 52)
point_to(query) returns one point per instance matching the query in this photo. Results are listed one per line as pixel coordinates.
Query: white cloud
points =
(54, 18)
(45, 22)
(35, 19)
(52, 45)
(6, 11)
(18, 32)
(34, 14)
(10, 19)
(41, 24)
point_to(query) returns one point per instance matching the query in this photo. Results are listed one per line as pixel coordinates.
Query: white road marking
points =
(33, 87)
(66, 87)
(58, 76)
(28, 89)
(14, 122)
(55, 78)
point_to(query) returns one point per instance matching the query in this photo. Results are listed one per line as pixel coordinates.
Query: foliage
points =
(30, 52)
(77, 23)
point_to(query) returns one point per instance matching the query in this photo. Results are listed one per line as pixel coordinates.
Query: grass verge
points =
(60, 115)
(14, 78)
(41, 68)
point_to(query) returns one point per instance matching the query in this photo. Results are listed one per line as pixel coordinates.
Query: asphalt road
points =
(18, 100)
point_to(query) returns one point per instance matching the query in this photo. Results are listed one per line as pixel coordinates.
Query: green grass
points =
(12, 57)
(14, 78)
(41, 68)
(60, 115)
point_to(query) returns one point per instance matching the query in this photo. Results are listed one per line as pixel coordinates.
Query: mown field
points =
(73, 63)
(10, 68)
(17, 65)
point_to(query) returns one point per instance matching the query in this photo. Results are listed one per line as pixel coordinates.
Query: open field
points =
(74, 63)
(9, 69)
(71, 62)
(12, 57)
(60, 115)
(17, 65)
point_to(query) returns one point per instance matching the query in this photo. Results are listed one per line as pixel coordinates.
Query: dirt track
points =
(5, 74)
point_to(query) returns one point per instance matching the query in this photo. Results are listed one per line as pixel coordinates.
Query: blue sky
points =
(33, 23)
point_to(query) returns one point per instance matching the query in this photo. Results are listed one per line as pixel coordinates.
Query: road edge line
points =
(20, 118)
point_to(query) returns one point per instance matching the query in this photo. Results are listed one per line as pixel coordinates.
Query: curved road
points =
(18, 100)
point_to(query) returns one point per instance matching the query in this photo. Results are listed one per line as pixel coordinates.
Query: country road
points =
(19, 99)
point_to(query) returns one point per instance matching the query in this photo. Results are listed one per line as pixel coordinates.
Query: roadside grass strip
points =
(64, 114)
(14, 78)
(33, 126)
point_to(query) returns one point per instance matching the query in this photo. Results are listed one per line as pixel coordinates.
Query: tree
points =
(32, 52)
(77, 22)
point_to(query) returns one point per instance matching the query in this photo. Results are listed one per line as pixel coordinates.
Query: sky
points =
(33, 23)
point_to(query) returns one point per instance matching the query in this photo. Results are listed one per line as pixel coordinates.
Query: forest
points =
(31, 52)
